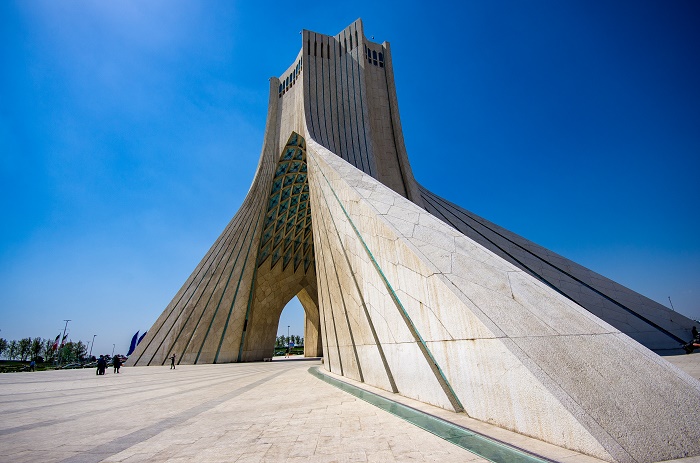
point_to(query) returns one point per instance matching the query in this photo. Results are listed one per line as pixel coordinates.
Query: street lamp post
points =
(62, 338)
(113, 349)
(92, 345)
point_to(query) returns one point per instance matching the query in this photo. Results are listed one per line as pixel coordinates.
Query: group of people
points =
(102, 364)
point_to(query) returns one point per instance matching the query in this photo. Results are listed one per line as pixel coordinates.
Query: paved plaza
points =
(250, 412)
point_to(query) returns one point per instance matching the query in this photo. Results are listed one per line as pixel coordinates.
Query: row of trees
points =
(39, 349)
(283, 341)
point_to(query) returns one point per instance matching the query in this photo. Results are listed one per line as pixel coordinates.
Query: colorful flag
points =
(133, 344)
(63, 341)
(141, 338)
(55, 343)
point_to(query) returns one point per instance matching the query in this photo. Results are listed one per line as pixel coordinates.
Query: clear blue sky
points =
(130, 132)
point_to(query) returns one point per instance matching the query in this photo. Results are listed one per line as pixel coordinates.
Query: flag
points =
(55, 342)
(133, 344)
(141, 338)
(63, 341)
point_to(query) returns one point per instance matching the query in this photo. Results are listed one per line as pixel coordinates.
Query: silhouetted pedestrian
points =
(172, 362)
(117, 364)
(101, 365)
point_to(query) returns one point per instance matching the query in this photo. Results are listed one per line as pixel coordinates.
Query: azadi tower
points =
(408, 292)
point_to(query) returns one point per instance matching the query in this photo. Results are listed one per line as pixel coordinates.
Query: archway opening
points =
(285, 264)
(290, 330)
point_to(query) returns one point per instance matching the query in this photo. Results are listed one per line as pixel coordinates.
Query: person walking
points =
(117, 363)
(172, 362)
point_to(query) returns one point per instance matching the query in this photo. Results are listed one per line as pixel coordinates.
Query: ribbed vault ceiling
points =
(287, 237)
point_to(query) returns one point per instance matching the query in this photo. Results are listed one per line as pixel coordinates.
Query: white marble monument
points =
(410, 293)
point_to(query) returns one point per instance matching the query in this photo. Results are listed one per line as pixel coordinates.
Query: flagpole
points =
(64, 337)
(55, 347)
(92, 345)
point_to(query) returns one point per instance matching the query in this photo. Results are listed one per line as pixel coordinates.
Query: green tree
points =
(12, 350)
(35, 349)
(79, 350)
(24, 346)
(47, 350)
(64, 353)
(3, 346)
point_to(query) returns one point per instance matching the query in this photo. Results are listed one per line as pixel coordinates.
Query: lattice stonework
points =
(286, 233)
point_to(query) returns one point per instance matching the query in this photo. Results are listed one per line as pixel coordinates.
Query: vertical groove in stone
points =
(351, 106)
(242, 271)
(432, 363)
(314, 99)
(365, 128)
(233, 302)
(340, 104)
(356, 122)
(221, 244)
(332, 93)
(349, 144)
(247, 315)
(317, 232)
(310, 119)
(345, 309)
(204, 309)
(394, 130)
(239, 357)
(322, 313)
(377, 342)
(323, 95)
(329, 307)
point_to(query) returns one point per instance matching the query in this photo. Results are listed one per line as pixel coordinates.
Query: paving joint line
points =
(51, 422)
(118, 445)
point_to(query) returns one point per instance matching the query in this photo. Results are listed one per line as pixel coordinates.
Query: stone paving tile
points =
(690, 363)
(253, 412)
(249, 412)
